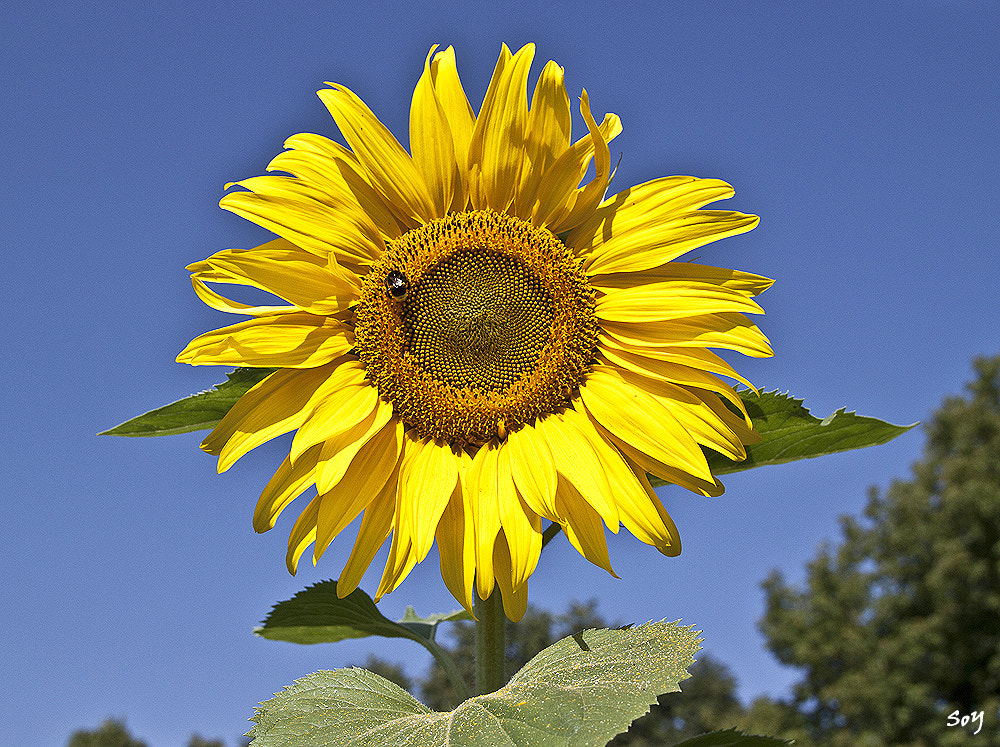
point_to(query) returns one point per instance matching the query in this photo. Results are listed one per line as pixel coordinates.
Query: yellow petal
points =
(675, 373)
(374, 464)
(348, 413)
(582, 526)
(496, 150)
(677, 299)
(431, 142)
(548, 134)
(480, 494)
(288, 483)
(295, 340)
(674, 475)
(276, 405)
(629, 355)
(582, 202)
(521, 525)
(319, 229)
(742, 282)
(337, 176)
(575, 460)
(653, 201)
(729, 331)
(400, 562)
(638, 508)
(296, 276)
(533, 470)
(742, 427)
(322, 193)
(376, 523)
(657, 242)
(643, 421)
(557, 191)
(203, 273)
(461, 119)
(338, 450)
(655, 528)
(302, 535)
(513, 596)
(456, 542)
(428, 476)
(388, 165)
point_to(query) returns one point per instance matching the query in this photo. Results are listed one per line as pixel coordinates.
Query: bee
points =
(396, 285)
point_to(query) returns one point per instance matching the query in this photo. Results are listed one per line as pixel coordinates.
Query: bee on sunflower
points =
(474, 340)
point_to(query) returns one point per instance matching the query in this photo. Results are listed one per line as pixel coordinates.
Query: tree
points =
(111, 733)
(899, 625)
(199, 741)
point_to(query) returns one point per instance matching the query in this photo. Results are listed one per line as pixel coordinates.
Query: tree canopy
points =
(899, 625)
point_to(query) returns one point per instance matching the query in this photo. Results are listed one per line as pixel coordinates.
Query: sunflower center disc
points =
(478, 320)
(494, 327)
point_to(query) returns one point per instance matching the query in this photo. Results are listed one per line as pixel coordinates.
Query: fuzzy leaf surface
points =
(579, 692)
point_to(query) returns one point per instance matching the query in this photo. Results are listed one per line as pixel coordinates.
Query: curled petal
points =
(295, 340)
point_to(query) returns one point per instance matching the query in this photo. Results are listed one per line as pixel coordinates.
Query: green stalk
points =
(490, 644)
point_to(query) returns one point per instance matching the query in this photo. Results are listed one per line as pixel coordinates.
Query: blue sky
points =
(863, 133)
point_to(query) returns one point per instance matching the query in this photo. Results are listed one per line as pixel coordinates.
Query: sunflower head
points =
(474, 321)
(472, 340)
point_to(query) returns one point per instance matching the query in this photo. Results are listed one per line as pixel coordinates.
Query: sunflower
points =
(473, 341)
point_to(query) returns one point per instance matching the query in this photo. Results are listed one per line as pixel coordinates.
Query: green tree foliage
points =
(199, 741)
(777, 718)
(899, 625)
(111, 733)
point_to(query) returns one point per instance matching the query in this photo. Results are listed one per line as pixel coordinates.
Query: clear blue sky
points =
(863, 133)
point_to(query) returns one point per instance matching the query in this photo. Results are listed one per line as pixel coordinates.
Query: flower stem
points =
(490, 644)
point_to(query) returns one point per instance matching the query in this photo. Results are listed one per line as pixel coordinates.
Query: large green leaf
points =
(791, 432)
(194, 413)
(579, 692)
(317, 615)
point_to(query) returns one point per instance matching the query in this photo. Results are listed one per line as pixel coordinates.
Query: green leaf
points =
(579, 692)
(731, 738)
(194, 413)
(790, 432)
(317, 615)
